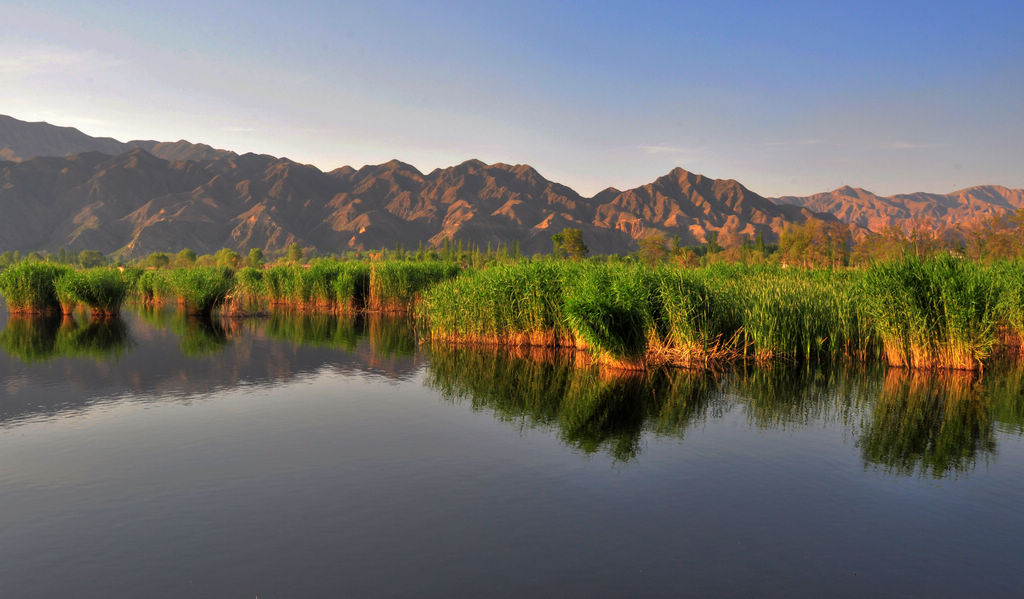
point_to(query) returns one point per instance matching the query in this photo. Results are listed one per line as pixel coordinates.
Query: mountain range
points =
(62, 188)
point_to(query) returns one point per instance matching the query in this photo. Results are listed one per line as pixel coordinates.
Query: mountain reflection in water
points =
(902, 422)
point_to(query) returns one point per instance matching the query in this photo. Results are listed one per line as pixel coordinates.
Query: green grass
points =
(153, 286)
(943, 312)
(613, 311)
(28, 287)
(396, 285)
(247, 296)
(352, 286)
(629, 314)
(940, 313)
(103, 290)
(202, 288)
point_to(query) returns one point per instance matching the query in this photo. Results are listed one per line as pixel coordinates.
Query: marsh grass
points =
(396, 285)
(247, 297)
(940, 313)
(153, 287)
(202, 289)
(102, 290)
(612, 311)
(631, 316)
(28, 287)
(352, 287)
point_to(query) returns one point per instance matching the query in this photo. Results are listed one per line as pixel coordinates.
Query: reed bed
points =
(940, 313)
(102, 290)
(247, 296)
(201, 289)
(629, 316)
(943, 312)
(325, 286)
(152, 287)
(396, 285)
(28, 287)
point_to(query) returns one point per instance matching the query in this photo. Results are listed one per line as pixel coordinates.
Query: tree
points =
(227, 257)
(712, 242)
(294, 252)
(815, 243)
(686, 257)
(185, 257)
(206, 260)
(158, 260)
(91, 258)
(653, 249)
(256, 258)
(569, 244)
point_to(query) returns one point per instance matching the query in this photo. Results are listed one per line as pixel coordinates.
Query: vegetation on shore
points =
(918, 312)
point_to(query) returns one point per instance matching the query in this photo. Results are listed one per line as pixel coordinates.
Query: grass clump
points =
(154, 286)
(103, 290)
(248, 294)
(28, 287)
(514, 304)
(352, 286)
(938, 313)
(612, 311)
(396, 285)
(699, 319)
(202, 289)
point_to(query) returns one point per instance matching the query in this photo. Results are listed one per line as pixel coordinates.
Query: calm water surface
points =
(313, 456)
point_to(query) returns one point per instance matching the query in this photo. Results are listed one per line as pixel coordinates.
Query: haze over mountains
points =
(62, 188)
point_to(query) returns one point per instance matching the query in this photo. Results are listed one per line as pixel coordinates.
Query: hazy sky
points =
(788, 98)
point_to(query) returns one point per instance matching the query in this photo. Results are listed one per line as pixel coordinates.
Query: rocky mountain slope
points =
(136, 203)
(876, 213)
(62, 188)
(21, 140)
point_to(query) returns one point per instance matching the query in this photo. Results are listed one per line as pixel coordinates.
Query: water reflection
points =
(317, 330)
(901, 422)
(905, 423)
(198, 335)
(935, 423)
(41, 338)
(168, 356)
(592, 409)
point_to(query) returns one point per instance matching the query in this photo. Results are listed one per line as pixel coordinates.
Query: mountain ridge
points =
(137, 197)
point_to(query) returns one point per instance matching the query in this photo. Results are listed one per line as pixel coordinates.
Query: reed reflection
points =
(316, 330)
(935, 424)
(43, 338)
(905, 423)
(593, 410)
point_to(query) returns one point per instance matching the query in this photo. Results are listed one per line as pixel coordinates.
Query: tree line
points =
(813, 243)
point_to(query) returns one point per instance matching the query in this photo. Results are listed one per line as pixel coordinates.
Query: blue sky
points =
(788, 98)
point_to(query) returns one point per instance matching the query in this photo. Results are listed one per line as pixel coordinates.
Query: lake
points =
(314, 456)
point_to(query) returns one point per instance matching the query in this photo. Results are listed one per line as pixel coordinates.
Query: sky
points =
(789, 98)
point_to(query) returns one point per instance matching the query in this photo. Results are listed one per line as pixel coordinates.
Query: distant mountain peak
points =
(144, 196)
